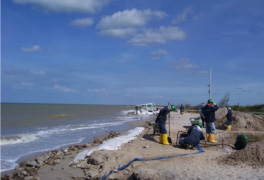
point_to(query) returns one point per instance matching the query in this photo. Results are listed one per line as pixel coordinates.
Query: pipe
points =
(159, 158)
(216, 144)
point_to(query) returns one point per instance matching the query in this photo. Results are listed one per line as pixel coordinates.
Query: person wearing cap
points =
(194, 135)
(229, 118)
(161, 120)
(209, 118)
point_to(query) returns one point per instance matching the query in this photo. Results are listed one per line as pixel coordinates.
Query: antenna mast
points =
(210, 85)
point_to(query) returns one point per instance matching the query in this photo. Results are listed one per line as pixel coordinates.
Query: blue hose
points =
(200, 150)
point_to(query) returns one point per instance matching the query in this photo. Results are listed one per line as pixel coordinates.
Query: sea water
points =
(27, 129)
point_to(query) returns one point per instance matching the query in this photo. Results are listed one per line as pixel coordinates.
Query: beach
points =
(216, 162)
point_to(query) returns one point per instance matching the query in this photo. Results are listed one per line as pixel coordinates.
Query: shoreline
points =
(186, 163)
(94, 142)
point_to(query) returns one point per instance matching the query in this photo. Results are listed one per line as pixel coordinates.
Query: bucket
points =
(194, 120)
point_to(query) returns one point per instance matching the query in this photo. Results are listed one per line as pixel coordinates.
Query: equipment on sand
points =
(241, 142)
(194, 121)
(173, 108)
(200, 150)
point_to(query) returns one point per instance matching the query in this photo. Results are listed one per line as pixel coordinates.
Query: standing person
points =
(181, 108)
(209, 113)
(229, 118)
(195, 134)
(161, 120)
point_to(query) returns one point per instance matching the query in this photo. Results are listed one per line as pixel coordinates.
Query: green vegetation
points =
(253, 108)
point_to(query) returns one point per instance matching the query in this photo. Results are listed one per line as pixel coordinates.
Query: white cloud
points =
(159, 52)
(162, 35)
(37, 72)
(96, 90)
(131, 24)
(129, 18)
(23, 85)
(183, 16)
(184, 64)
(118, 33)
(86, 6)
(124, 24)
(83, 22)
(61, 88)
(35, 48)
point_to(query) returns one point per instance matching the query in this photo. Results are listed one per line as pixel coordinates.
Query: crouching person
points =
(194, 135)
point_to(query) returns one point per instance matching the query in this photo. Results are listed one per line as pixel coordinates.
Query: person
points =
(229, 118)
(194, 135)
(161, 120)
(136, 110)
(209, 113)
(181, 109)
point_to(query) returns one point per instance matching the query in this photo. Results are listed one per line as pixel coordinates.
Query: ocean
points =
(28, 129)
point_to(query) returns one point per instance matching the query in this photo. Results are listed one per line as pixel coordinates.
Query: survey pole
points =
(210, 85)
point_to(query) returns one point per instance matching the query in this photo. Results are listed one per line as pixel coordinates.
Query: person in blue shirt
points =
(229, 118)
(161, 120)
(194, 135)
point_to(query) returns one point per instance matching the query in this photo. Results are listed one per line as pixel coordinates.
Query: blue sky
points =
(132, 51)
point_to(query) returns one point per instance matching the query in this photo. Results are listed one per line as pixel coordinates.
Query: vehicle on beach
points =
(148, 108)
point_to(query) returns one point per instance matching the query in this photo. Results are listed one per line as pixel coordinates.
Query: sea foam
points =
(111, 144)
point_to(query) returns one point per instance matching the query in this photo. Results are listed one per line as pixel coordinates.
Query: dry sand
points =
(214, 163)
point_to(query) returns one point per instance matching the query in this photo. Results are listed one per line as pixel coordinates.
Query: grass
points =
(253, 108)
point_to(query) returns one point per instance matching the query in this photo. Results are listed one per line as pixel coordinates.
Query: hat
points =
(210, 101)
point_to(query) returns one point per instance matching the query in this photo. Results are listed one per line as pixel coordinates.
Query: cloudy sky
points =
(132, 51)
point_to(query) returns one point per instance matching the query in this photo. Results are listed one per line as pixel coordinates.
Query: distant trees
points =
(253, 108)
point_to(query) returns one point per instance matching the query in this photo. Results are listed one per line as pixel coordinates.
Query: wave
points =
(45, 131)
(22, 138)
(30, 137)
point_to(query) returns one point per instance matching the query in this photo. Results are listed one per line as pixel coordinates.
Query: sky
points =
(132, 51)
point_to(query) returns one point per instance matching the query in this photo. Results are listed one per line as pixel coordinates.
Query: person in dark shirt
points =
(181, 109)
(229, 118)
(209, 113)
(161, 120)
(194, 135)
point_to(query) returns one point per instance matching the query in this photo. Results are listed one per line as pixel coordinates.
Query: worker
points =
(209, 113)
(194, 135)
(161, 120)
(229, 118)
(181, 109)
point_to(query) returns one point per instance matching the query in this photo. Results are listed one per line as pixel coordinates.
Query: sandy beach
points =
(216, 162)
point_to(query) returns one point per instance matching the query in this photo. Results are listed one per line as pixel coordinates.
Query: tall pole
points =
(210, 85)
